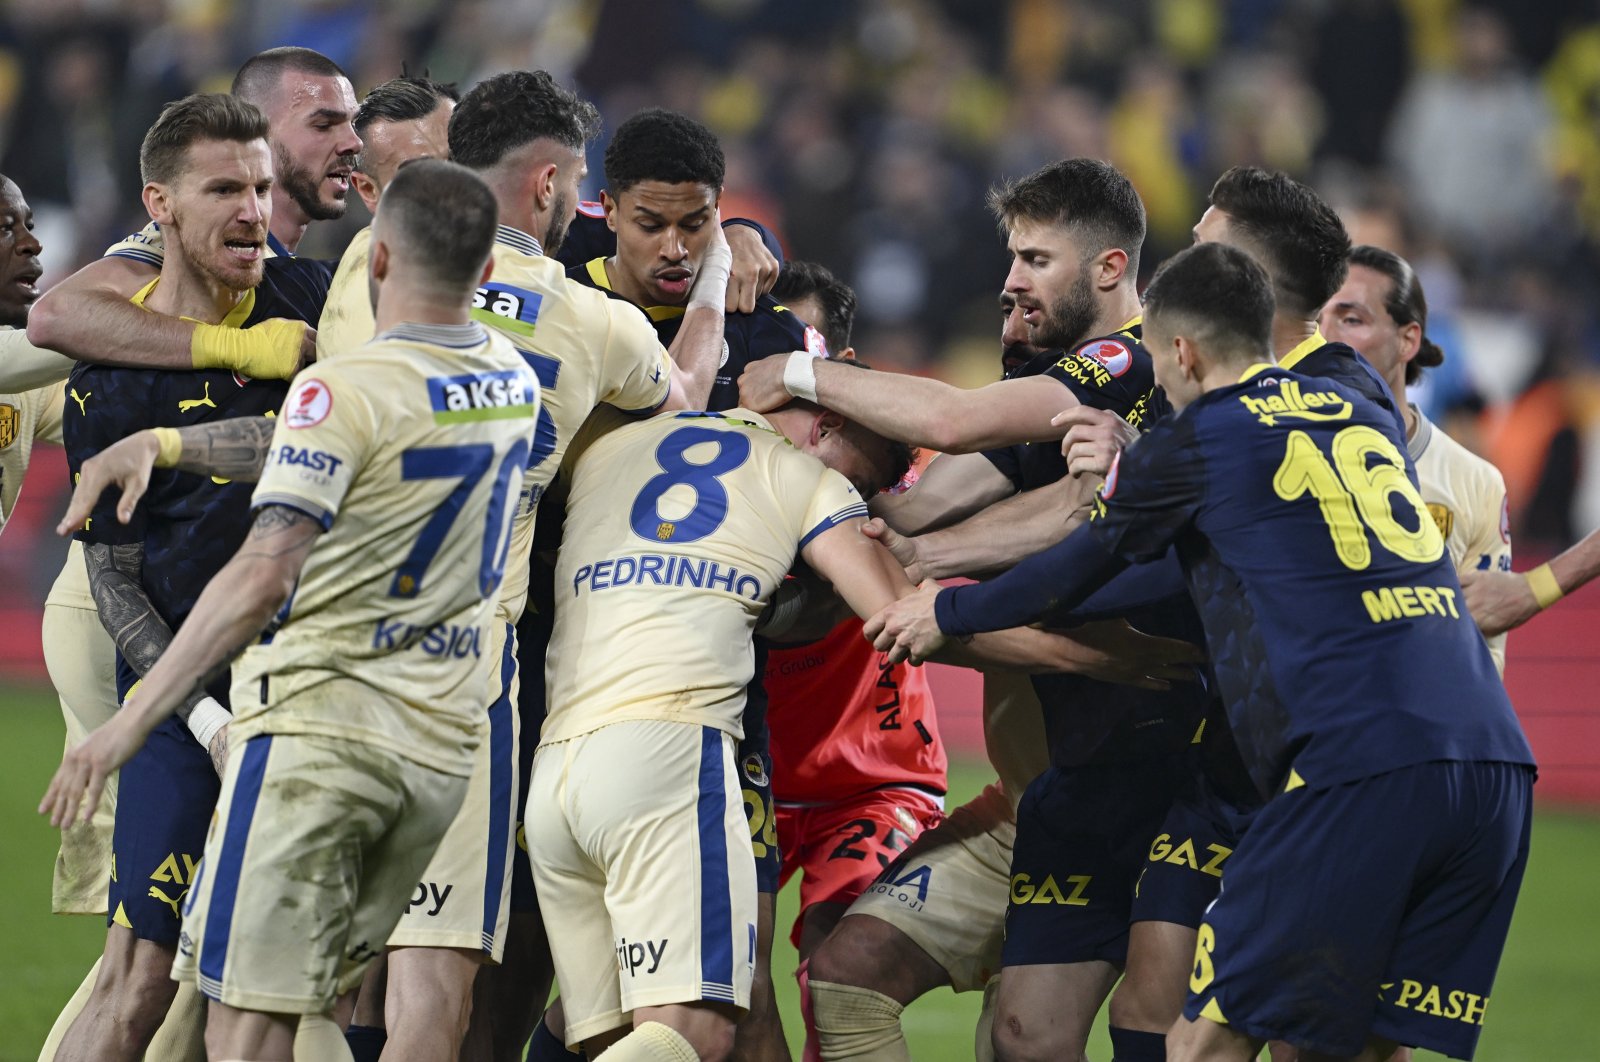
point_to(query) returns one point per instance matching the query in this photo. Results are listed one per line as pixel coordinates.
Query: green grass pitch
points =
(1539, 1009)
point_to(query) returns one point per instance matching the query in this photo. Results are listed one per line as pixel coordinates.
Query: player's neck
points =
(1289, 332)
(188, 292)
(1116, 311)
(289, 222)
(400, 303)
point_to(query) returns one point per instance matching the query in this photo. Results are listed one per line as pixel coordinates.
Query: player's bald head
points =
(440, 219)
(259, 79)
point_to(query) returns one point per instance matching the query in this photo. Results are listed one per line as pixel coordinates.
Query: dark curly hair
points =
(660, 145)
(506, 111)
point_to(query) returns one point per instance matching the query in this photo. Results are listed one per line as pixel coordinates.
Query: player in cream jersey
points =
(1467, 497)
(1382, 311)
(678, 530)
(382, 520)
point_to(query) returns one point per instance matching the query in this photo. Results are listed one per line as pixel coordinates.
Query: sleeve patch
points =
(1110, 354)
(1505, 519)
(589, 208)
(308, 404)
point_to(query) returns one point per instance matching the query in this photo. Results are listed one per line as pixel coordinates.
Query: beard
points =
(555, 233)
(305, 188)
(216, 263)
(1067, 320)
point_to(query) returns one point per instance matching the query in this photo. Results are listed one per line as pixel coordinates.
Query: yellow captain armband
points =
(169, 445)
(1542, 581)
(266, 351)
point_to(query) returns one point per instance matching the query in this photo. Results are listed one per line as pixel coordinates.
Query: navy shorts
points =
(1374, 908)
(1082, 833)
(166, 796)
(1183, 865)
(755, 779)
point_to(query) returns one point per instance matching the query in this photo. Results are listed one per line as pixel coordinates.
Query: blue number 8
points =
(711, 497)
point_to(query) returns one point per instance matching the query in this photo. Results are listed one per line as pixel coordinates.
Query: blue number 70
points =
(467, 463)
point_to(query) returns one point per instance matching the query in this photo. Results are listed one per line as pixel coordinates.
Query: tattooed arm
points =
(236, 606)
(133, 622)
(233, 449)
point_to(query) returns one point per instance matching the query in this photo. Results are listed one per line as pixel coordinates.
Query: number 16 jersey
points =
(678, 528)
(1334, 619)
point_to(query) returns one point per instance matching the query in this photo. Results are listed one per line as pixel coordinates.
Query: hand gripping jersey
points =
(844, 721)
(410, 452)
(678, 529)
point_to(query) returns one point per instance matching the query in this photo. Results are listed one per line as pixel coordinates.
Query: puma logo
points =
(80, 399)
(191, 403)
(157, 894)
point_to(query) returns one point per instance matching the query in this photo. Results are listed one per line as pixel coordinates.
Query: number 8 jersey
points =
(1334, 619)
(411, 453)
(678, 529)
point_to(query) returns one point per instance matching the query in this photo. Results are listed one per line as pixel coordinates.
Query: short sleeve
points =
(100, 407)
(324, 436)
(1151, 493)
(146, 245)
(636, 373)
(52, 412)
(24, 366)
(1111, 373)
(833, 502)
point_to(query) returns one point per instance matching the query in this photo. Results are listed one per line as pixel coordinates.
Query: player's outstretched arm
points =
(1110, 651)
(951, 488)
(235, 606)
(912, 409)
(1500, 601)
(997, 537)
(88, 317)
(916, 627)
(141, 635)
(232, 449)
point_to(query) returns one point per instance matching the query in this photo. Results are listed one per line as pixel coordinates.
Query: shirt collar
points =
(235, 318)
(459, 336)
(1418, 443)
(1312, 342)
(518, 240)
(1257, 369)
(596, 268)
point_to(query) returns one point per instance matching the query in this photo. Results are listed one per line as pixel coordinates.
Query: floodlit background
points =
(865, 132)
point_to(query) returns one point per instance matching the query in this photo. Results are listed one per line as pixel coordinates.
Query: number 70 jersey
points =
(410, 451)
(1334, 619)
(678, 529)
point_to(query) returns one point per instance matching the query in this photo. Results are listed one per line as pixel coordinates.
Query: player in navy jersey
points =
(1075, 229)
(1368, 904)
(208, 173)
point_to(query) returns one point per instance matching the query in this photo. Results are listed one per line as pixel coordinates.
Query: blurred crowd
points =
(1465, 136)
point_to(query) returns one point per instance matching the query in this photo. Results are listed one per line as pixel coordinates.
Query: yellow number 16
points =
(1355, 496)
